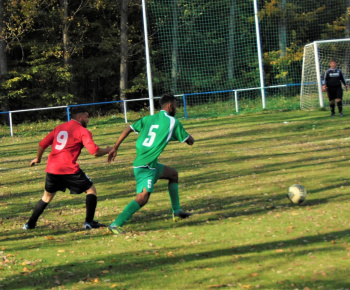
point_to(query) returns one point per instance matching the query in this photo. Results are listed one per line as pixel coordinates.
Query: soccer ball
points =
(297, 194)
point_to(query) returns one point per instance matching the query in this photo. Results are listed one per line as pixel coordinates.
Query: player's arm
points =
(181, 135)
(90, 145)
(39, 155)
(102, 151)
(324, 87)
(43, 144)
(113, 152)
(343, 80)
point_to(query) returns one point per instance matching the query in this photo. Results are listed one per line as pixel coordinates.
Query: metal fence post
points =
(125, 112)
(185, 106)
(11, 127)
(236, 101)
(68, 116)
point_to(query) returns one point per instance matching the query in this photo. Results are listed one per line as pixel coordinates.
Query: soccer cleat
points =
(116, 230)
(93, 225)
(28, 227)
(180, 215)
(332, 115)
(341, 114)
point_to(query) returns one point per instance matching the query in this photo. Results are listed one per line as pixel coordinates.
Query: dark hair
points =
(166, 98)
(74, 111)
(333, 60)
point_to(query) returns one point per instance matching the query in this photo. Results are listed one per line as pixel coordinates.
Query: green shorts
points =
(147, 178)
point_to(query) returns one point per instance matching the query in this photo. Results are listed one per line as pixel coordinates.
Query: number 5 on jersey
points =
(152, 135)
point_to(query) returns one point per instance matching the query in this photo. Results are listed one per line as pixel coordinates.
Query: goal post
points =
(317, 56)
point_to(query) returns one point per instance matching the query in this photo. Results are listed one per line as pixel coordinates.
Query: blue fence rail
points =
(183, 97)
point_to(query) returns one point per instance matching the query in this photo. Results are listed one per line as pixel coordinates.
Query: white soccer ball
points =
(297, 194)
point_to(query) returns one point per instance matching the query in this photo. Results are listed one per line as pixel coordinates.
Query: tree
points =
(174, 57)
(3, 59)
(288, 25)
(231, 43)
(282, 29)
(124, 49)
(16, 20)
(347, 16)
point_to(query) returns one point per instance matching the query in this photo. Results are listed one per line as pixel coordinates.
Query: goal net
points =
(201, 46)
(317, 56)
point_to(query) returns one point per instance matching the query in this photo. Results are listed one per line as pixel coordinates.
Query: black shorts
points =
(77, 183)
(335, 93)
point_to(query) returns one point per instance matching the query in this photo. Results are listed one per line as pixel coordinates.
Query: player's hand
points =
(109, 148)
(324, 88)
(190, 140)
(35, 160)
(111, 155)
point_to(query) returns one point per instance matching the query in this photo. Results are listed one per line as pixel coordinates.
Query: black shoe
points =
(180, 215)
(333, 115)
(28, 227)
(93, 225)
(341, 114)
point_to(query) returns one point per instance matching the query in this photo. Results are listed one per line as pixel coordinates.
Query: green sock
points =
(174, 197)
(127, 213)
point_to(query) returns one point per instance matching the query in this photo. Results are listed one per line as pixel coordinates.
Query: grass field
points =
(244, 232)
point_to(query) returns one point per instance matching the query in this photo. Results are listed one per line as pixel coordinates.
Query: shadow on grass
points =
(132, 268)
(205, 209)
(214, 209)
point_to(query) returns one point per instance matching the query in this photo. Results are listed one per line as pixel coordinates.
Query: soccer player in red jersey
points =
(63, 172)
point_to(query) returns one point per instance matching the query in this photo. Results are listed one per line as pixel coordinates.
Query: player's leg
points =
(339, 101)
(130, 209)
(331, 97)
(91, 203)
(39, 209)
(144, 187)
(332, 106)
(340, 106)
(171, 174)
(78, 183)
(53, 184)
(143, 197)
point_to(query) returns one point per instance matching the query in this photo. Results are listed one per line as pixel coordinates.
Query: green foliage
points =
(20, 19)
(38, 81)
(195, 47)
(279, 65)
(287, 26)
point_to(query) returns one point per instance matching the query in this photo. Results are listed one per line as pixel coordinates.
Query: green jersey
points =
(155, 132)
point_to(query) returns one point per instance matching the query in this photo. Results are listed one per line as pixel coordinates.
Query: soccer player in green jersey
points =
(155, 132)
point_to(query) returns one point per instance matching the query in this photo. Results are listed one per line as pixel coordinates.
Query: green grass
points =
(217, 108)
(244, 232)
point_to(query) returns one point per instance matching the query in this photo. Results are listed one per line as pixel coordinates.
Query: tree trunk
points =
(3, 62)
(347, 15)
(231, 44)
(174, 57)
(346, 66)
(124, 49)
(64, 7)
(282, 29)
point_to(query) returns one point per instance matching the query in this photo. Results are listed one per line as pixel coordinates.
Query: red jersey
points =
(67, 140)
